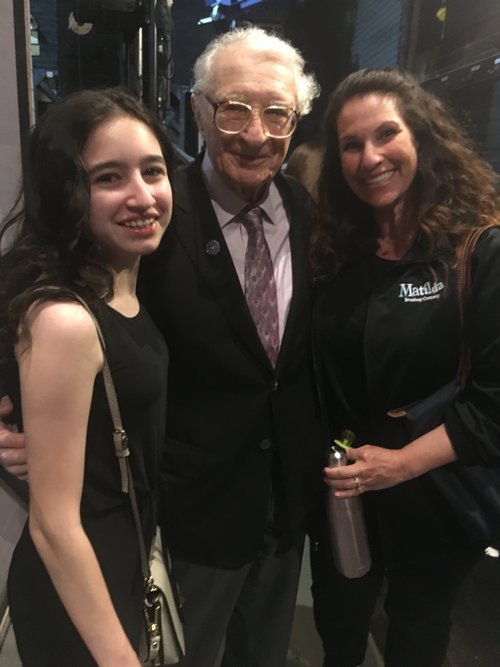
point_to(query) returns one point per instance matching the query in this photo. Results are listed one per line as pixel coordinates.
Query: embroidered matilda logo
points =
(418, 293)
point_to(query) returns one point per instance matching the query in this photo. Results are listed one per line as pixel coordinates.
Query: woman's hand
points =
(373, 468)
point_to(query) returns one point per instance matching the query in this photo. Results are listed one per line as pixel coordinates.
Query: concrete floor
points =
(474, 640)
(8, 655)
(305, 645)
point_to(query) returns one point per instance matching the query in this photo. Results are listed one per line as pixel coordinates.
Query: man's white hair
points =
(266, 46)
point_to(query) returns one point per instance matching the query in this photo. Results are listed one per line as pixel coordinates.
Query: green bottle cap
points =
(346, 439)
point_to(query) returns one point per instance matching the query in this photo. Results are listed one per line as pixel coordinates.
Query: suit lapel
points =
(198, 230)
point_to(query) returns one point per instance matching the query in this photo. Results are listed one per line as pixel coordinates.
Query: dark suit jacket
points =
(235, 424)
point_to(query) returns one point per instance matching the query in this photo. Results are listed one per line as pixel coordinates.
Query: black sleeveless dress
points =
(138, 360)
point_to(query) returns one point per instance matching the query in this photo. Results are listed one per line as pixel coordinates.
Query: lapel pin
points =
(212, 247)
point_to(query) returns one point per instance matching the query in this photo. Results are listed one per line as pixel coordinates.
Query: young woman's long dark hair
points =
(46, 242)
(454, 188)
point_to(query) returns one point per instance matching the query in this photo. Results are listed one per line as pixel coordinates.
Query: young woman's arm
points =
(57, 369)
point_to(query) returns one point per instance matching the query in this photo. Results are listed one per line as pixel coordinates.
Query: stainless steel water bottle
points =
(351, 552)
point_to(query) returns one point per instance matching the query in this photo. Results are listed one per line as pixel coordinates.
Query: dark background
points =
(459, 57)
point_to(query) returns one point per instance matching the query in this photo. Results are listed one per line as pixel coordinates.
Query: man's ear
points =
(195, 106)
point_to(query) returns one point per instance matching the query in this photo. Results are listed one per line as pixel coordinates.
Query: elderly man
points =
(230, 292)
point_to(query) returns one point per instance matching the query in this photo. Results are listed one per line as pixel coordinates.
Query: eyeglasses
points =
(278, 122)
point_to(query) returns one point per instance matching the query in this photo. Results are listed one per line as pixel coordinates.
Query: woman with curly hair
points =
(96, 198)
(400, 188)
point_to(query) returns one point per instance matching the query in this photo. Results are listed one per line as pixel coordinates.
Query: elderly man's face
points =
(247, 161)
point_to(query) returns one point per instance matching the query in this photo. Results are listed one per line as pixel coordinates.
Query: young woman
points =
(96, 198)
(399, 189)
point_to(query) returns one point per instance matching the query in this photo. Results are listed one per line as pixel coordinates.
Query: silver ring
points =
(358, 485)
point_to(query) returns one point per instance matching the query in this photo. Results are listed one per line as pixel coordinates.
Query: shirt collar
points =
(227, 204)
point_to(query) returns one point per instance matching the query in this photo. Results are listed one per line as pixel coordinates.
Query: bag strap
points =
(121, 442)
(464, 263)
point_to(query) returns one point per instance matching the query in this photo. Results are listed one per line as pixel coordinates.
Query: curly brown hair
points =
(304, 164)
(454, 189)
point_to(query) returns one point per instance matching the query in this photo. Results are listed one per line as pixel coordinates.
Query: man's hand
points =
(12, 449)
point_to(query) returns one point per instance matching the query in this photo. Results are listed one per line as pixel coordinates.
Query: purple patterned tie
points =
(260, 287)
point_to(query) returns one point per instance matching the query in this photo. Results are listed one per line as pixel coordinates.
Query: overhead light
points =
(214, 15)
(229, 10)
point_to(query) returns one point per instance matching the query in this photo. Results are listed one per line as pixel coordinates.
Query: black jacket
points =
(234, 423)
(387, 334)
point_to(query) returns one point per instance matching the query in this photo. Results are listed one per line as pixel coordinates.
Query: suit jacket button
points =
(275, 386)
(265, 444)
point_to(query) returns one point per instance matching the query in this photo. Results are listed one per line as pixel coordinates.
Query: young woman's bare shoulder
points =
(60, 323)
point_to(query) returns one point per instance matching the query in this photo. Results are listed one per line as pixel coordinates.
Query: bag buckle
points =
(152, 615)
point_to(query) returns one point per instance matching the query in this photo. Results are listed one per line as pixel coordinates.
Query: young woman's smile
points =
(131, 197)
